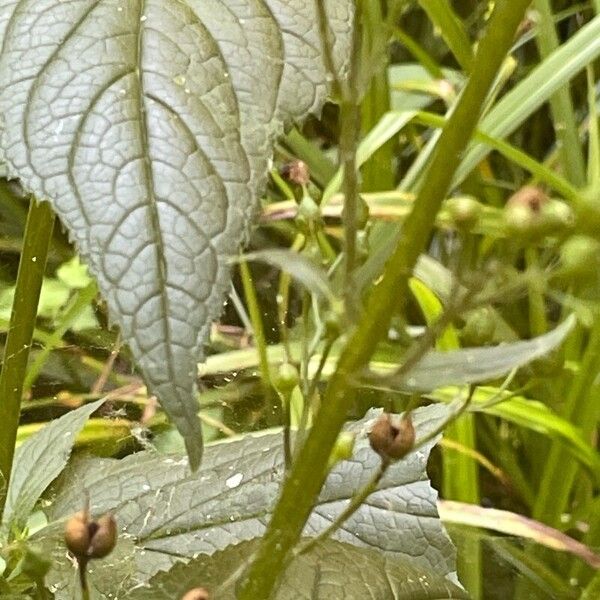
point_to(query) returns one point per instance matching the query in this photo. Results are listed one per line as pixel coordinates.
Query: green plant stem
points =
(349, 138)
(378, 172)
(304, 482)
(83, 583)
(561, 105)
(350, 115)
(38, 233)
(257, 323)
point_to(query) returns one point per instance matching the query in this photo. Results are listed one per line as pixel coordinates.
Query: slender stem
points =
(317, 374)
(36, 242)
(349, 139)
(257, 323)
(565, 123)
(286, 400)
(108, 367)
(304, 482)
(83, 582)
(350, 116)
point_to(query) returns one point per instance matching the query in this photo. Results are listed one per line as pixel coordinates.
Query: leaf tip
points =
(194, 447)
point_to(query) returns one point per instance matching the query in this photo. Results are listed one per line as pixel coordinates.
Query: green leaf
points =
(149, 127)
(38, 461)
(324, 573)
(171, 514)
(532, 415)
(450, 27)
(536, 89)
(475, 365)
(301, 268)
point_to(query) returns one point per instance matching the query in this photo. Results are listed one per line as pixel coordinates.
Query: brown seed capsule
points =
(296, 171)
(77, 535)
(104, 538)
(90, 539)
(392, 441)
(196, 594)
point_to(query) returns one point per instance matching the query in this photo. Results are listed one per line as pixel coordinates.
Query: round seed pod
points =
(390, 441)
(286, 378)
(86, 538)
(105, 537)
(77, 534)
(580, 254)
(464, 211)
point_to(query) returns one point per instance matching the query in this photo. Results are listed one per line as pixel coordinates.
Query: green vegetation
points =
(415, 308)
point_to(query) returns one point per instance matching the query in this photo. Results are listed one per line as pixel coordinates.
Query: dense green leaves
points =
(149, 125)
(167, 514)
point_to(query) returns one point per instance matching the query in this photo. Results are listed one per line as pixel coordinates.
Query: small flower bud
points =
(529, 196)
(196, 594)
(86, 538)
(392, 442)
(464, 211)
(286, 378)
(308, 209)
(522, 211)
(479, 328)
(580, 254)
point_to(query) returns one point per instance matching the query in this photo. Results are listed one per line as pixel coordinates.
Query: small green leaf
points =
(299, 267)
(475, 365)
(38, 461)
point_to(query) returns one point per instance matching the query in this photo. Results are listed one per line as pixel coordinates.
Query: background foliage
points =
(510, 271)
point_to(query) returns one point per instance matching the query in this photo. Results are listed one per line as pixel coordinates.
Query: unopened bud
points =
(196, 594)
(464, 211)
(392, 441)
(479, 328)
(286, 378)
(86, 538)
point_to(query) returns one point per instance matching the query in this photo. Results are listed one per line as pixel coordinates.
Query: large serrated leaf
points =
(148, 124)
(38, 461)
(171, 514)
(331, 571)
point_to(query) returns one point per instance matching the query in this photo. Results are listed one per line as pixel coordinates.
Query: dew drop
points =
(235, 480)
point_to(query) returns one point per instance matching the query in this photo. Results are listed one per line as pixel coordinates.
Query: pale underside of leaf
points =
(148, 124)
(474, 365)
(331, 571)
(171, 514)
